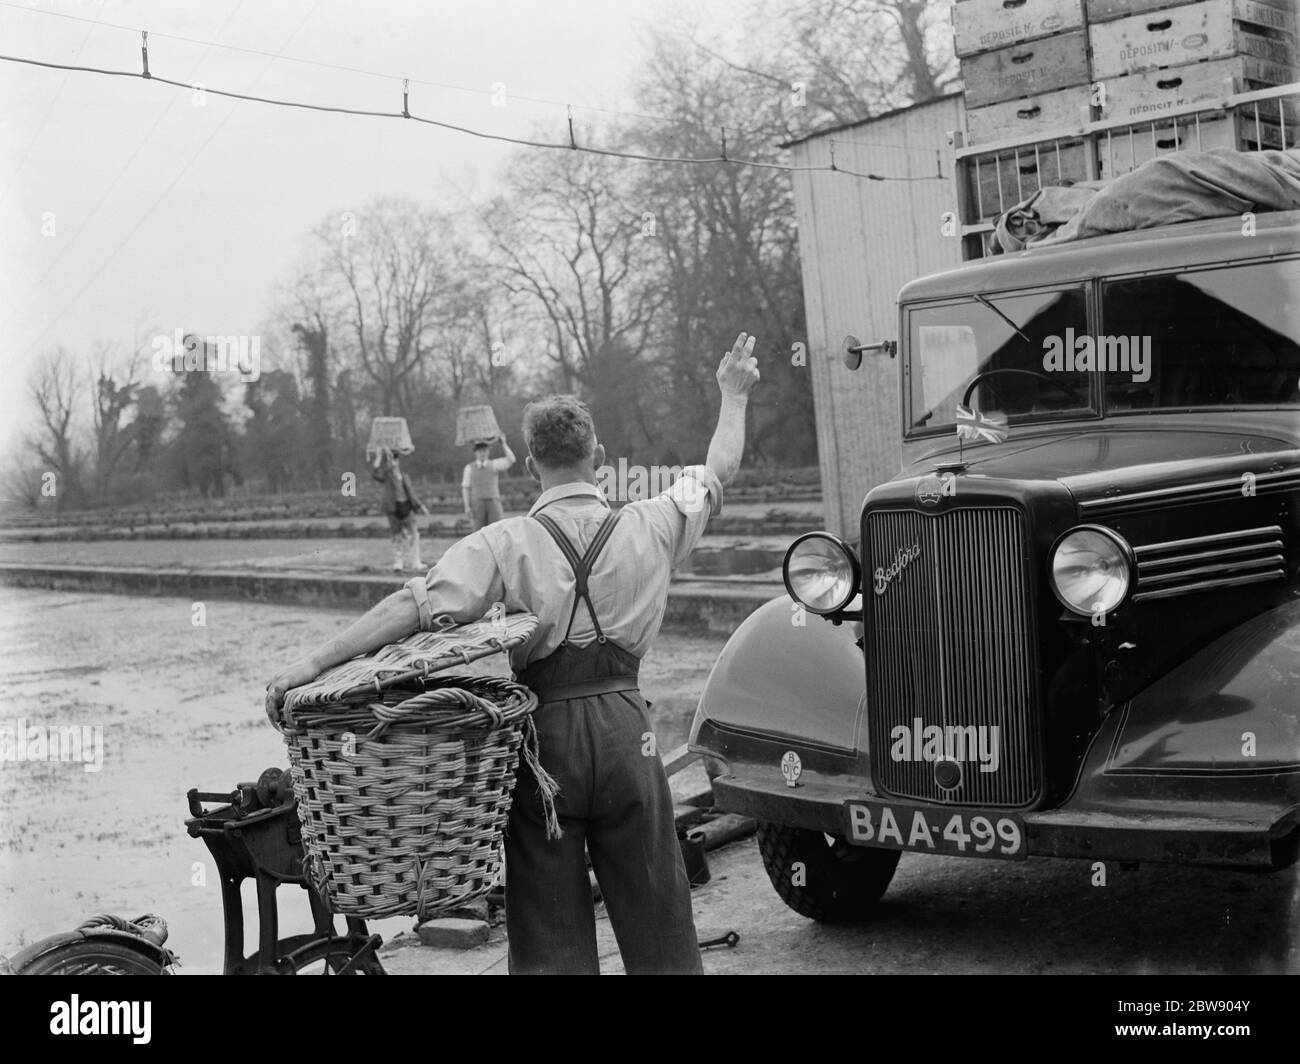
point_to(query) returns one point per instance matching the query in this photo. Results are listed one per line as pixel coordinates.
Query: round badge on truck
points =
(929, 490)
(791, 768)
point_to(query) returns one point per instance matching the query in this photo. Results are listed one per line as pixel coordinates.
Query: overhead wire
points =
(171, 185)
(40, 126)
(345, 68)
(406, 114)
(67, 245)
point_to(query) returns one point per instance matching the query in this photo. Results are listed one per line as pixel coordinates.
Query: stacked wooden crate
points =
(1094, 79)
(1025, 69)
(1151, 57)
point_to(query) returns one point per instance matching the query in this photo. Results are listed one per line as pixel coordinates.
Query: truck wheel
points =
(821, 878)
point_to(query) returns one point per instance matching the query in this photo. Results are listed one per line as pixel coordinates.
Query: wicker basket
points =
(391, 433)
(474, 423)
(403, 778)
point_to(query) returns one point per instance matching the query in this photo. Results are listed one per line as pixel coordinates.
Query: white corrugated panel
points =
(860, 241)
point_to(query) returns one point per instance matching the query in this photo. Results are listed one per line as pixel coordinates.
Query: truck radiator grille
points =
(950, 642)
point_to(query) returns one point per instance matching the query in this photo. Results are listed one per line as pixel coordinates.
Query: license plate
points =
(929, 829)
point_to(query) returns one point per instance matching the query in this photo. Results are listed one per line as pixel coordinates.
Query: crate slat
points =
(982, 25)
(1045, 114)
(1173, 36)
(1026, 69)
(1153, 92)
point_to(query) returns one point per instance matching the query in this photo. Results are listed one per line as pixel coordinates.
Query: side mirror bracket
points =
(854, 349)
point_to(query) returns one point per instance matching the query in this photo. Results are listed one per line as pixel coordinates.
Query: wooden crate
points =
(1018, 174)
(1126, 150)
(982, 25)
(1153, 92)
(1173, 36)
(1107, 10)
(1027, 69)
(1049, 113)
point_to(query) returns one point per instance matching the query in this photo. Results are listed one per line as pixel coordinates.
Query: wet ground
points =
(717, 557)
(180, 706)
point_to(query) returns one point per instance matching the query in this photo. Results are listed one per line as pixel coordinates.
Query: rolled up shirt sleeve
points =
(685, 508)
(461, 587)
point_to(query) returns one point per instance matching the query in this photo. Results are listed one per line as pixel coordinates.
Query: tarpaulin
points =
(1179, 187)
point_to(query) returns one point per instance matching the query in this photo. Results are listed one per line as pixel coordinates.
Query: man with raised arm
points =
(480, 483)
(597, 580)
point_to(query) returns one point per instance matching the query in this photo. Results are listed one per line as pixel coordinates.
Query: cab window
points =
(1226, 337)
(953, 342)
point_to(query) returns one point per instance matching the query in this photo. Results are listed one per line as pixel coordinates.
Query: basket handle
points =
(443, 697)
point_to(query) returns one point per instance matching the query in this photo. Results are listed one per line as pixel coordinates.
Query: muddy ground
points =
(180, 707)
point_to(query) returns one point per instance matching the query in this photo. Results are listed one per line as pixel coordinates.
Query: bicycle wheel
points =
(330, 957)
(91, 958)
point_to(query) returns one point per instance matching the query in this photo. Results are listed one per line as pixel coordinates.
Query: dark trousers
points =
(614, 798)
(485, 511)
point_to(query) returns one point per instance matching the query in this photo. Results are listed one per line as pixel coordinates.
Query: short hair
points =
(559, 431)
(482, 445)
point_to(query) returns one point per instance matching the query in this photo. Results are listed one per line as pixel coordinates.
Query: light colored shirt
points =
(497, 465)
(516, 562)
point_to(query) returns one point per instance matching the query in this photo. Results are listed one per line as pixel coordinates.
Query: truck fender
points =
(1231, 712)
(785, 674)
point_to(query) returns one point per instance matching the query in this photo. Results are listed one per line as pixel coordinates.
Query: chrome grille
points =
(951, 642)
(1204, 563)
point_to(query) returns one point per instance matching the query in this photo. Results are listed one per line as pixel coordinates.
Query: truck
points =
(1070, 625)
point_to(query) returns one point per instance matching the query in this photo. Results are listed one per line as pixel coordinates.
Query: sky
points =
(130, 207)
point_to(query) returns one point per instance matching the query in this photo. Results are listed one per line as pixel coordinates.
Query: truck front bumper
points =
(1262, 843)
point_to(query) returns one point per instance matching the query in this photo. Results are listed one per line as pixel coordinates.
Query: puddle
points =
(733, 561)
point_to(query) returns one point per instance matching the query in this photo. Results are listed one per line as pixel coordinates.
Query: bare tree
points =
(54, 389)
(393, 276)
(116, 383)
(727, 248)
(841, 61)
(565, 238)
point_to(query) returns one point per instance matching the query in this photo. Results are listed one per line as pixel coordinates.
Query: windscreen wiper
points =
(985, 302)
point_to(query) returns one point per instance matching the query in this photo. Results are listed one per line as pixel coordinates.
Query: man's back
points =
(518, 563)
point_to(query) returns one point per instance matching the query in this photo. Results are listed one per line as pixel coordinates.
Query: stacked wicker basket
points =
(404, 776)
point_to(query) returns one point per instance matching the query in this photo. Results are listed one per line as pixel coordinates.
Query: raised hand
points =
(738, 370)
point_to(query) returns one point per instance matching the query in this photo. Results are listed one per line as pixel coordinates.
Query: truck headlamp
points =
(821, 573)
(1092, 568)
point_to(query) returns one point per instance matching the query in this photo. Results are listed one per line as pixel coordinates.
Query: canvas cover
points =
(1179, 187)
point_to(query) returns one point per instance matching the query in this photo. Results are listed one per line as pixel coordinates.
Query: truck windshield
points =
(1220, 337)
(951, 343)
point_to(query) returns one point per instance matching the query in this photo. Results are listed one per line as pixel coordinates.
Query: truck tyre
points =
(829, 881)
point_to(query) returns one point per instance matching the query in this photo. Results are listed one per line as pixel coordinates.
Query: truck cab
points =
(1070, 626)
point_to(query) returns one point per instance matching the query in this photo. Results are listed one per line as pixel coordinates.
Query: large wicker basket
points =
(404, 778)
(475, 423)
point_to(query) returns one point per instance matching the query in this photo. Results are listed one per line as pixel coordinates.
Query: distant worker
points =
(479, 484)
(399, 504)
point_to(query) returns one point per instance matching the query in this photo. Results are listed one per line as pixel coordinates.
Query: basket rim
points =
(396, 664)
(448, 702)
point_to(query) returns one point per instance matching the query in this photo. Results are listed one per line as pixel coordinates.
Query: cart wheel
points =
(88, 958)
(329, 958)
